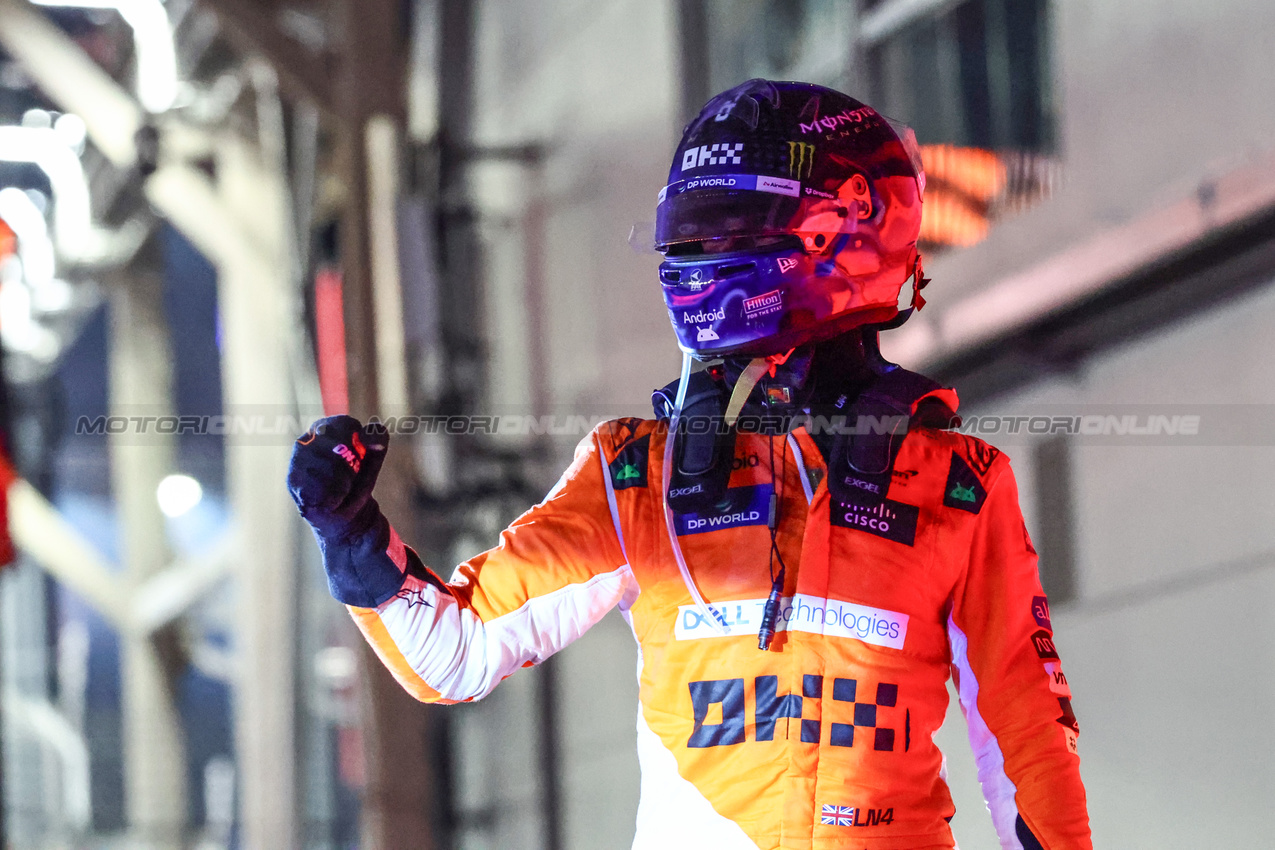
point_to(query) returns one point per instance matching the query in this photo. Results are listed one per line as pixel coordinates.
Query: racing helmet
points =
(791, 214)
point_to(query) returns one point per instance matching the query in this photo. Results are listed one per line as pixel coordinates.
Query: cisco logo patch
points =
(889, 519)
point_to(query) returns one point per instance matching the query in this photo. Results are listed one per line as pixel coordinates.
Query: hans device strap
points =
(705, 445)
(860, 448)
(862, 453)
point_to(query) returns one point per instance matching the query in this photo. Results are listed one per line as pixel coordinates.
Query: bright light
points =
(336, 665)
(54, 296)
(72, 130)
(177, 494)
(18, 330)
(44, 147)
(27, 222)
(152, 41)
(37, 119)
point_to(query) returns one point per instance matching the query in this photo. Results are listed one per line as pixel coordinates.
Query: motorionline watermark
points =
(1151, 424)
(1087, 425)
(292, 425)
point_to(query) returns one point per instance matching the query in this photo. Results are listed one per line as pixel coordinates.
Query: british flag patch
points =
(838, 816)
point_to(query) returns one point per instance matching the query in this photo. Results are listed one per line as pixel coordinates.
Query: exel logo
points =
(863, 485)
(674, 492)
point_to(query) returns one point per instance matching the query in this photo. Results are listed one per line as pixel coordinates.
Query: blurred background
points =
(220, 218)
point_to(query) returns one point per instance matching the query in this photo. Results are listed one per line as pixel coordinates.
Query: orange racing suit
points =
(825, 740)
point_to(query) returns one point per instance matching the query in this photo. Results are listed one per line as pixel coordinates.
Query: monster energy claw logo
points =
(801, 159)
(965, 494)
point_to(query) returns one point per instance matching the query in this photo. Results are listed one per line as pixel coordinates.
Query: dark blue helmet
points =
(791, 214)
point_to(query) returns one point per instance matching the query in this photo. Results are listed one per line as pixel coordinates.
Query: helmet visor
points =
(716, 213)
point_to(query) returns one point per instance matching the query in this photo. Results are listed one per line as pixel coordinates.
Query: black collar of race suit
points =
(856, 406)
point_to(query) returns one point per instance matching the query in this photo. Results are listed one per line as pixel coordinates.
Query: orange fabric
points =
(827, 717)
(566, 539)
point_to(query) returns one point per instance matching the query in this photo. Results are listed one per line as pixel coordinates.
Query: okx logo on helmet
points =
(791, 214)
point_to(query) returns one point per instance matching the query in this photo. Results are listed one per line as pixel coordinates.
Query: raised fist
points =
(332, 473)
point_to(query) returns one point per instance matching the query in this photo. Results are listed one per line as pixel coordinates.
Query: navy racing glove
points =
(331, 475)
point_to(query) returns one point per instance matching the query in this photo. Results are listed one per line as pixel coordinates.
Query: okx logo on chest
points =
(857, 717)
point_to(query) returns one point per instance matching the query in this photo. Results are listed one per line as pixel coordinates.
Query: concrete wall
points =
(1153, 96)
(1167, 644)
(595, 85)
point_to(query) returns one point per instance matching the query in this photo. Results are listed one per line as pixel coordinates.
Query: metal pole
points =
(400, 798)
(253, 296)
(548, 705)
(141, 384)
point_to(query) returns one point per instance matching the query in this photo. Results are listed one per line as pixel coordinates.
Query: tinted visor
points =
(718, 213)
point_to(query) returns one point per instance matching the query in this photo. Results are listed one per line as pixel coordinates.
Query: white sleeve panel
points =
(672, 812)
(998, 788)
(461, 657)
